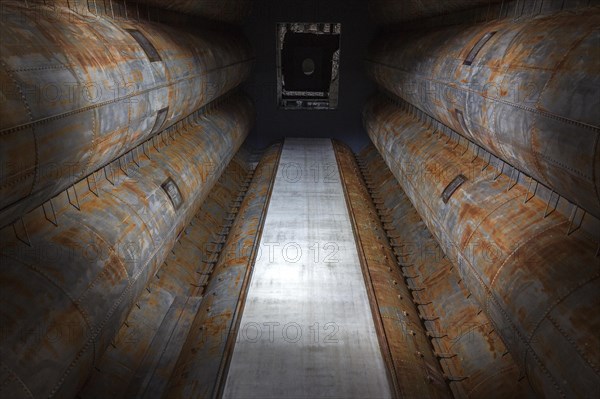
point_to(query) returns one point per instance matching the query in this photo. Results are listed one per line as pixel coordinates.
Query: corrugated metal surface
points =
(475, 361)
(526, 90)
(79, 90)
(414, 368)
(202, 366)
(67, 283)
(537, 283)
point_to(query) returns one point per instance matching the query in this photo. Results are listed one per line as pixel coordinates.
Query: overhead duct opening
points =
(308, 58)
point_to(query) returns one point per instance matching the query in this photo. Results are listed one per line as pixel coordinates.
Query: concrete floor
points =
(307, 329)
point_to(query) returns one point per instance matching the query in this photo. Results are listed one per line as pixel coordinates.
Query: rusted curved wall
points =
(389, 12)
(219, 10)
(139, 362)
(66, 294)
(475, 361)
(415, 371)
(530, 96)
(202, 364)
(538, 285)
(79, 91)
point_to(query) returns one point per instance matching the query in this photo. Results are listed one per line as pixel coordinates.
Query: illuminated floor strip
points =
(307, 330)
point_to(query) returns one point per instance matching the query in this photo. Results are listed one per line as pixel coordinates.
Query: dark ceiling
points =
(344, 123)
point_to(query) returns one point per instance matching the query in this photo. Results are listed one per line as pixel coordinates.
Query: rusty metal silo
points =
(202, 364)
(526, 90)
(81, 90)
(471, 352)
(68, 283)
(535, 277)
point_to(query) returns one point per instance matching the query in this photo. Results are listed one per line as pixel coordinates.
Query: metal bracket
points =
(75, 205)
(466, 148)
(157, 148)
(510, 186)
(55, 221)
(126, 170)
(572, 218)
(94, 190)
(546, 213)
(28, 242)
(527, 197)
(501, 169)
(434, 335)
(135, 156)
(454, 379)
(476, 153)
(444, 355)
(488, 162)
(106, 174)
(144, 150)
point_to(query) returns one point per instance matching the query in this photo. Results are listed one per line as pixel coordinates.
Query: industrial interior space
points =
(299, 199)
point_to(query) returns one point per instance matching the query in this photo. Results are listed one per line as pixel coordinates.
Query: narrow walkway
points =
(307, 329)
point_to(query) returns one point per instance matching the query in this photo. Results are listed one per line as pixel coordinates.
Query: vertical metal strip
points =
(381, 335)
(239, 309)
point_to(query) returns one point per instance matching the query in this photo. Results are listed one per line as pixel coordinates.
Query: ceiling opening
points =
(308, 58)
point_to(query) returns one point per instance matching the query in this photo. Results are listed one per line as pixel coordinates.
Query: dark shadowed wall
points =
(344, 123)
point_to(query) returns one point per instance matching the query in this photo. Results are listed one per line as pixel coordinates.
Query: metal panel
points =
(535, 279)
(142, 356)
(202, 364)
(415, 370)
(67, 289)
(307, 330)
(81, 91)
(530, 96)
(389, 12)
(475, 361)
(220, 10)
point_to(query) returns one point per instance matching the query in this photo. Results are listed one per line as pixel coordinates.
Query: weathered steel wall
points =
(220, 10)
(535, 278)
(396, 15)
(202, 366)
(139, 362)
(390, 12)
(513, 9)
(475, 361)
(414, 370)
(526, 90)
(69, 278)
(78, 91)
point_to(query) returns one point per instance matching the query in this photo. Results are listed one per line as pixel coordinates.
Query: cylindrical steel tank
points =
(526, 90)
(538, 285)
(390, 12)
(139, 362)
(232, 11)
(67, 287)
(475, 361)
(78, 91)
(202, 364)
